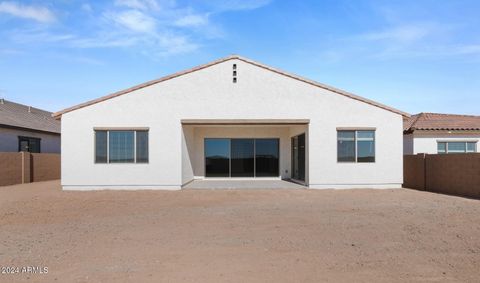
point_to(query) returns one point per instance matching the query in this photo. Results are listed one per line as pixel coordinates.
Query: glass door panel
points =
(298, 157)
(242, 158)
(266, 158)
(217, 157)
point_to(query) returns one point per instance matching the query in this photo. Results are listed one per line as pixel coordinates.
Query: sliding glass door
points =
(241, 157)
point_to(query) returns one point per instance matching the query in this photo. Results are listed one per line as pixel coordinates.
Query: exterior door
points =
(298, 157)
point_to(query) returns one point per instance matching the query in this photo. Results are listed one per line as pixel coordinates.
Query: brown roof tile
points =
(441, 122)
(58, 114)
(22, 116)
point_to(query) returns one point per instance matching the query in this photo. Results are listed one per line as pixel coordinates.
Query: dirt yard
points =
(238, 236)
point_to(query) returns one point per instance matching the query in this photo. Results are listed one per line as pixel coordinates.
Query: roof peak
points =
(58, 114)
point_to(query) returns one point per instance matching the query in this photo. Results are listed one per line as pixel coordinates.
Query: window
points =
(456, 147)
(121, 146)
(29, 144)
(355, 146)
(471, 147)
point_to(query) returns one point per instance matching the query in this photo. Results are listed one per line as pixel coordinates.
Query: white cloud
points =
(469, 49)
(138, 4)
(86, 7)
(104, 41)
(404, 34)
(37, 13)
(134, 20)
(39, 35)
(192, 21)
(155, 28)
(236, 5)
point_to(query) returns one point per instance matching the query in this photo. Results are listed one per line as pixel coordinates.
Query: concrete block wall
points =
(455, 174)
(11, 168)
(25, 167)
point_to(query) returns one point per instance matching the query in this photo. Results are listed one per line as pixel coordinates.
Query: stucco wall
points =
(408, 144)
(427, 142)
(210, 94)
(49, 143)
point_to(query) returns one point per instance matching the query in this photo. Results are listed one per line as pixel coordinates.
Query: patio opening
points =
(244, 150)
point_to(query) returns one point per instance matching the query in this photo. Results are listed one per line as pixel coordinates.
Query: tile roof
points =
(22, 116)
(58, 114)
(441, 122)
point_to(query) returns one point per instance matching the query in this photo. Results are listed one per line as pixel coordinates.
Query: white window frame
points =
(475, 142)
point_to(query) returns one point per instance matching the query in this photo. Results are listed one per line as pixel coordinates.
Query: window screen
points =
(346, 146)
(100, 146)
(365, 146)
(142, 147)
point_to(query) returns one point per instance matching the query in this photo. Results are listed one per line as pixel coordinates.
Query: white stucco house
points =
(435, 133)
(233, 118)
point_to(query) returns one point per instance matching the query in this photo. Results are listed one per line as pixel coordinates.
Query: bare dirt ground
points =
(238, 236)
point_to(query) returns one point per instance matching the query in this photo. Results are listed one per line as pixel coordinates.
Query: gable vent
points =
(234, 73)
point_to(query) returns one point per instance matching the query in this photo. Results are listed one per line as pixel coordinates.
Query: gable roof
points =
(22, 116)
(58, 114)
(441, 122)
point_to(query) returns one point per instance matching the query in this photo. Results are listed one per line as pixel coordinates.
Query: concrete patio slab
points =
(242, 184)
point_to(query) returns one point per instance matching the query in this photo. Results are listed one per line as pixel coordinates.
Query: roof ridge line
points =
(58, 114)
(449, 114)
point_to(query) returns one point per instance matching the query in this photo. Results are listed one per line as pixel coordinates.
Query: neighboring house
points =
(25, 128)
(231, 118)
(434, 133)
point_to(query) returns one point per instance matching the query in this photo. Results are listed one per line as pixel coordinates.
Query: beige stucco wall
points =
(210, 94)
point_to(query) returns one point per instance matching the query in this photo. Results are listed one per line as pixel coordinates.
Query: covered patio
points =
(239, 153)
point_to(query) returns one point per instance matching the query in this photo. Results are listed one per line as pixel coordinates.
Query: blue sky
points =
(421, 55)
